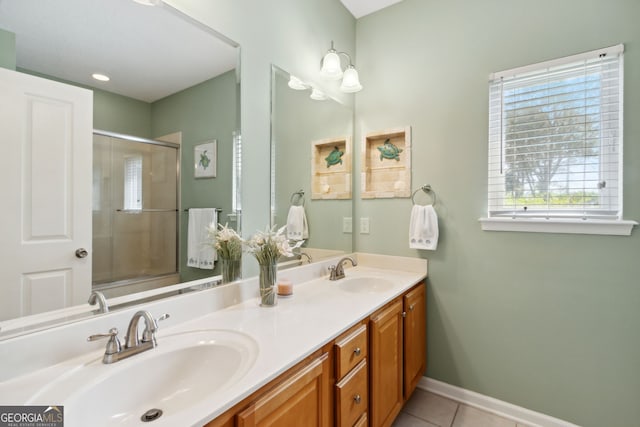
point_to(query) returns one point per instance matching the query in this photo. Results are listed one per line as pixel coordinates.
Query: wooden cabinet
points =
(415, 348)
(397, 354)
(360, 379)
(302, 400)
(352, 384)
(385, 357)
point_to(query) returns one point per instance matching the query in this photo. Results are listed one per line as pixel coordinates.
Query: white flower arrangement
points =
(228, 244)
(267, 246)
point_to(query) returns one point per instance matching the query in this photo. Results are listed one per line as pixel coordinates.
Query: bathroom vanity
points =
(345, 352)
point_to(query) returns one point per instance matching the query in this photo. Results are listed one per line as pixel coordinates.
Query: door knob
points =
(81, 253)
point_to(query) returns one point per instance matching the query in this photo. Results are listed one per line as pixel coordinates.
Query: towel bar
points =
(427, 190)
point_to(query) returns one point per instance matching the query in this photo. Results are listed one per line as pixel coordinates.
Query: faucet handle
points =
(113, 345)
(148, 333)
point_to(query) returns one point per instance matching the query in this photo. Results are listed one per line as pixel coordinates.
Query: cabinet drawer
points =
(351, 396)
(350, 350)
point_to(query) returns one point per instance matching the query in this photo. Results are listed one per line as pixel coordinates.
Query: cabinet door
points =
(415, 338)
(386, 365)
(302, 400)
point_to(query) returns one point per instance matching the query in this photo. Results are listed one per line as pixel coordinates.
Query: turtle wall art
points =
(386, 164)
(204, 159)
(334, 157)
(389, 151)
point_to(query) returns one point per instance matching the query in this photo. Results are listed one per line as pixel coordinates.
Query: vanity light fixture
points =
(331, 68)
(297, 84)
(101, 77)
(317, 94)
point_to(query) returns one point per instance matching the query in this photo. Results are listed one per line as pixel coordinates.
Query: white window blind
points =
(555, 138)
(237, 173)
(133, 183)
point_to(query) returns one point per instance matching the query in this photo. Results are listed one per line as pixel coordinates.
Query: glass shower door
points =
(135, 210)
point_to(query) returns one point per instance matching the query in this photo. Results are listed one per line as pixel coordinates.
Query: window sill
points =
(556, 225)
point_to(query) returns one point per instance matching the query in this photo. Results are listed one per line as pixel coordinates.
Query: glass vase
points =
(268, 284)
(231, 270)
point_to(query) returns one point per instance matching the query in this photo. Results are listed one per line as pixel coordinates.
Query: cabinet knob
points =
(411, 307)
(404, 314)
(357, 351)
(357, 399)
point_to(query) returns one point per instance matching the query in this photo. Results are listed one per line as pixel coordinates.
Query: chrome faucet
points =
(304, 254)
(133, 344)
(337, 271)
(97, 296)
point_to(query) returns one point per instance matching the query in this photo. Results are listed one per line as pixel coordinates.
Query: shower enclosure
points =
(135, 213)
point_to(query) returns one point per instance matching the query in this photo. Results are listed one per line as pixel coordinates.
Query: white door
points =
(45, 192)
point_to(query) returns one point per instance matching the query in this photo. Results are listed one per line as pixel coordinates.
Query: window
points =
(133, 183)
(555, 143)
(236, 202)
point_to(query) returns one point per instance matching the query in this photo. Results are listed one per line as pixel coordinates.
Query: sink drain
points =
(151, 415)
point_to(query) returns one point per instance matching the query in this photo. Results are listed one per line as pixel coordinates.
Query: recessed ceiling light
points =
(148, 2)
(100, 77)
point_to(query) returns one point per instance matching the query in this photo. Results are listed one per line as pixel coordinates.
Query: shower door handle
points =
(81, 253)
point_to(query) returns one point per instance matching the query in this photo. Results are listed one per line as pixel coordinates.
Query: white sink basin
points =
(183, 370)
(363, 284)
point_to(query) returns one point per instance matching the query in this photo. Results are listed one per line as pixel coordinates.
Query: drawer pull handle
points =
(357, 351)
(357, 399)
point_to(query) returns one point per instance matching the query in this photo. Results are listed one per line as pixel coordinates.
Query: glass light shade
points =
(317, 95)
(350, 81)
(331, 67)
(296, 84)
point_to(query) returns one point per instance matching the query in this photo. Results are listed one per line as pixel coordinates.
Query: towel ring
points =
(300, 195)
(427, 190)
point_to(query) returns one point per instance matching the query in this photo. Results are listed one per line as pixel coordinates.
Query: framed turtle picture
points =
(204, 159)
(331, 168)
(386, 164)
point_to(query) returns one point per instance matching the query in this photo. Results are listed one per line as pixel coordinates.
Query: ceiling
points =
(360, 8)
(149, 52)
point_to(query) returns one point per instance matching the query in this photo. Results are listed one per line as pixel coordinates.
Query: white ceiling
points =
(360, 8)
(149, 52)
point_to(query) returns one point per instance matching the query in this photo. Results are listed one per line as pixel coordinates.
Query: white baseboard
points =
(494, 406)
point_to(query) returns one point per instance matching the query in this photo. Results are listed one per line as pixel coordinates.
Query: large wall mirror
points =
(172, 80)
(311, 152)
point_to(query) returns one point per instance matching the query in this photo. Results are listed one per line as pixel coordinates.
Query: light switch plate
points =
(347, 224)
(364, 225)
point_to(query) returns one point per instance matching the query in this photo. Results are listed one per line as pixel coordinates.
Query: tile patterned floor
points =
(426, 409)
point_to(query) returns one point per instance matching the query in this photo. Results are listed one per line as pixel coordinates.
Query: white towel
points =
(200, 251)
(297, 227)
(423, 228)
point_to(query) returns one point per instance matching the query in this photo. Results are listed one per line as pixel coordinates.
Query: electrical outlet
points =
(347, 225)
(364, 225)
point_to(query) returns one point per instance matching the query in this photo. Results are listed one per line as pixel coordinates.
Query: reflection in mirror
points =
(311, 170)
(172, 79)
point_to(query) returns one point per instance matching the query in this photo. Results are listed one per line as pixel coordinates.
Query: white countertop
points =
(317, 313)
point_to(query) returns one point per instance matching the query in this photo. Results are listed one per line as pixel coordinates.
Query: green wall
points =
(121, 114)
(7, 49)
(545, 321)
(203, 112)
